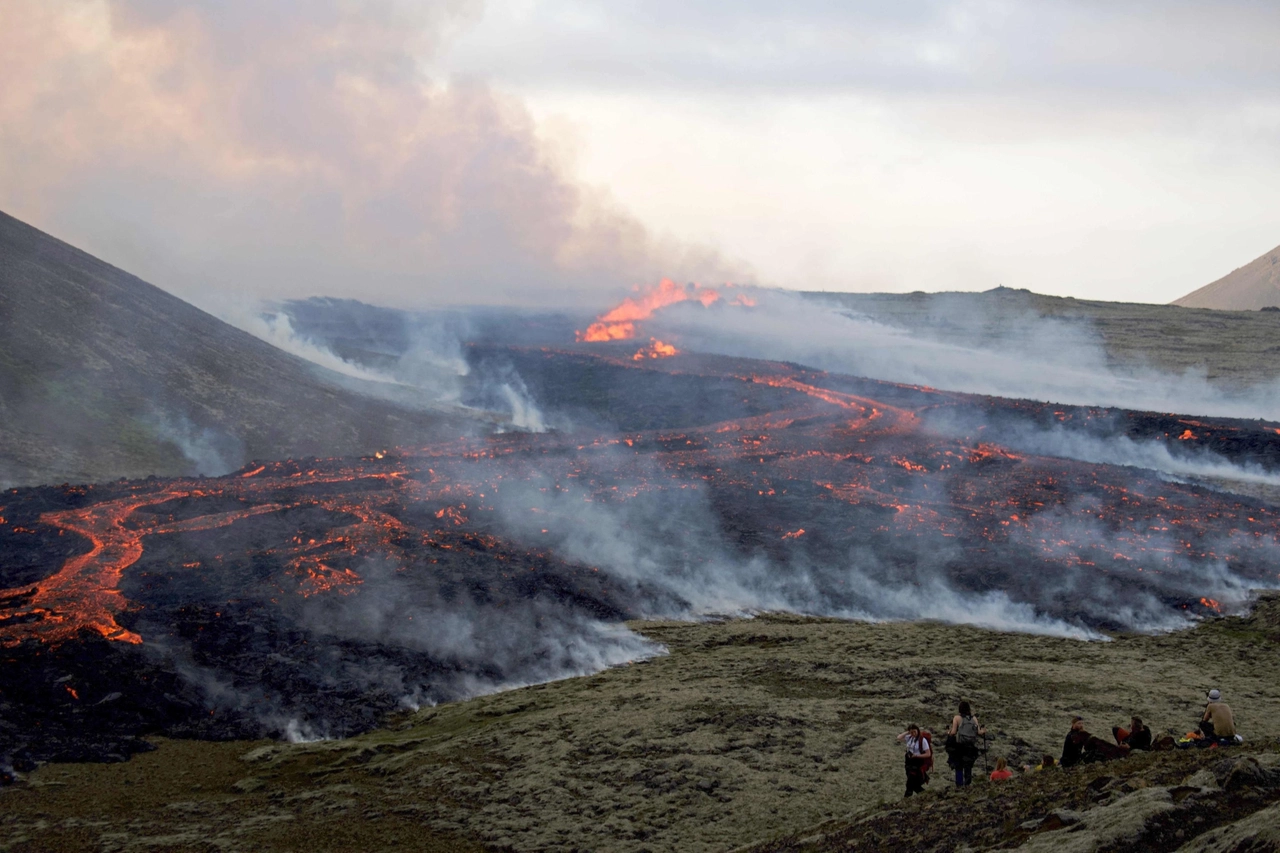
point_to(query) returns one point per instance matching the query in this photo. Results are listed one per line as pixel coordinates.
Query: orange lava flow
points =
(898, 420)
(619, 323)
(83, 593)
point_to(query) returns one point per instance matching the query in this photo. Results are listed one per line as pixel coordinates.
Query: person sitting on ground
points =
(1073, 746)
(1137, 736)
(962, 743)
(1045, 763)
(1080, 747)
(1218, 721)
(919, 756)
(1002, 771)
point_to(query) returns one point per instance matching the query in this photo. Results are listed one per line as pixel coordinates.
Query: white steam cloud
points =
(668, 545)
(1028, 357)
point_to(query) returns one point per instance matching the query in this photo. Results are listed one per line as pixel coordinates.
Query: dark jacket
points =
(1139, 739)
(1073, 747)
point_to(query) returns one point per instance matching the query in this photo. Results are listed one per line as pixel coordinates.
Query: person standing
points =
(962, 742)
(919, 756)
(1218, 721)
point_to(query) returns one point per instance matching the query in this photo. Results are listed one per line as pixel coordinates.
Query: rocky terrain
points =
(776, 732)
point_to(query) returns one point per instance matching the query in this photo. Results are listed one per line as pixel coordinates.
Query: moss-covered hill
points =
(762, 731)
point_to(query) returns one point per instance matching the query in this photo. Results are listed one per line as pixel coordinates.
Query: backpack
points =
(967, 733)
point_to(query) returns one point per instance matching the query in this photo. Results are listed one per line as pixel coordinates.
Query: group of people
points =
(965, 734)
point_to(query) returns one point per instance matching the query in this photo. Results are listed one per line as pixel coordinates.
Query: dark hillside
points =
(103, 375)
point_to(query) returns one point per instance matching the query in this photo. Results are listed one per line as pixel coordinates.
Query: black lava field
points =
(310, 597)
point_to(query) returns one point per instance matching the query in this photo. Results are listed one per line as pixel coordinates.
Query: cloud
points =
(1132, 49)
(286, 148)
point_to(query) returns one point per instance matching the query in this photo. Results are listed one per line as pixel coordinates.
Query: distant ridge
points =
(103, 375)
(1253, 286)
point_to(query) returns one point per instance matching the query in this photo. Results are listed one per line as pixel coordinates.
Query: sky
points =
(557, 152)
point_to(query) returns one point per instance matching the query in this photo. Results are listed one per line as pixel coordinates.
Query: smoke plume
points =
(284, 148)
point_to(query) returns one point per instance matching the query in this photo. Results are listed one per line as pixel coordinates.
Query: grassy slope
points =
(1235, 347)
(747, 730)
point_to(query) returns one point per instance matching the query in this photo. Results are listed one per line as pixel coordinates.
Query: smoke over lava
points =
(313, 596)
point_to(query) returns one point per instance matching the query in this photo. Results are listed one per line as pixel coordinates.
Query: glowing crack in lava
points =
(619, 324)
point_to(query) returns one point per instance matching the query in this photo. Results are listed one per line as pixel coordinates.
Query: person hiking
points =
(919, 758)
(962, 743)
(1002, 771)
(1137, 736)
(1217, 721)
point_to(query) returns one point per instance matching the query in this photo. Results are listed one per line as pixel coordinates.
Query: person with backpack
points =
(919, 758)
(962, 743)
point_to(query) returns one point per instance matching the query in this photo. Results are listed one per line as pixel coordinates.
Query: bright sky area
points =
(423, 152)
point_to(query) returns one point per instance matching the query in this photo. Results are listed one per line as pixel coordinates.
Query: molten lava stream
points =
(896, 421)
(83, 593)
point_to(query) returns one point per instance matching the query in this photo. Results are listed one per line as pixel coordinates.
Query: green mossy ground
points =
(746, 731)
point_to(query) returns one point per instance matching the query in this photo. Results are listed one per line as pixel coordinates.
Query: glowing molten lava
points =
(620, 323)
(656, 349)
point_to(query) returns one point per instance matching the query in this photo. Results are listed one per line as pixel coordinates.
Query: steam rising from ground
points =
(1122, 450)
(1027, 357)
(669, 545)
(427, 370)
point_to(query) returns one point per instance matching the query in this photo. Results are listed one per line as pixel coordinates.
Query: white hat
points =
(1215, 694)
